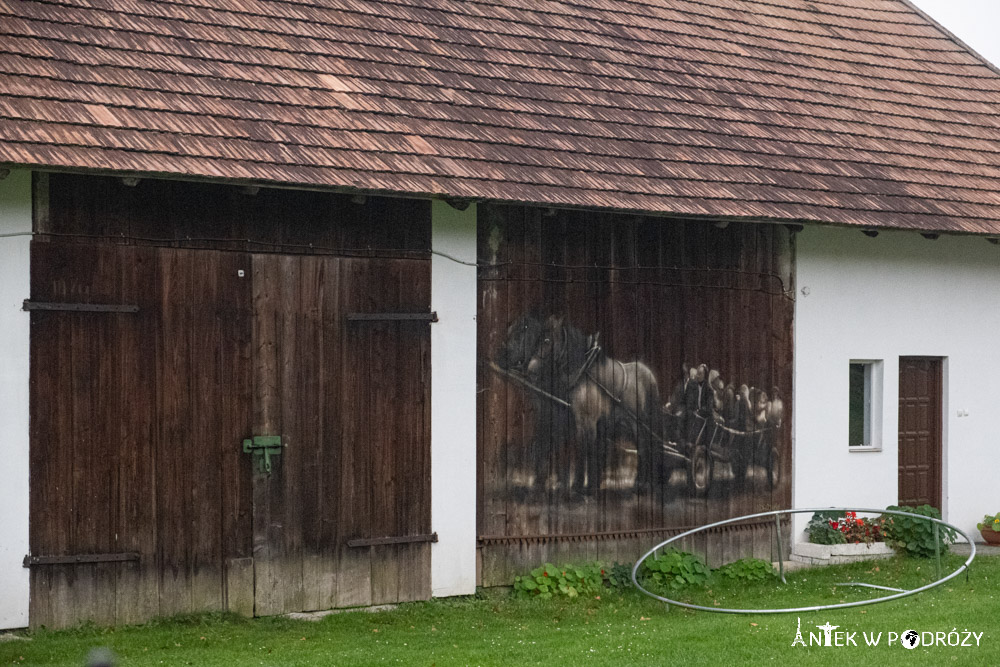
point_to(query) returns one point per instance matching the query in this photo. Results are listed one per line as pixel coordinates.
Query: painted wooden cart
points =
(715, 443)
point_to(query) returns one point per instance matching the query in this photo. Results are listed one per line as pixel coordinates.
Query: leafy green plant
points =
(823, 528)
(990, 523)
(569, 580)
(747, 570)
(914, 536)
(675, 569)
(620, 576)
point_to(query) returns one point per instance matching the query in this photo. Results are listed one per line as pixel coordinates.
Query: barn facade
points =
(291, 323)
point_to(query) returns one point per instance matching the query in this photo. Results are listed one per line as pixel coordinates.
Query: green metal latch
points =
(267, 445)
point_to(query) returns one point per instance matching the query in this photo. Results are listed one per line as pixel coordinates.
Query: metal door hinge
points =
(391, 317)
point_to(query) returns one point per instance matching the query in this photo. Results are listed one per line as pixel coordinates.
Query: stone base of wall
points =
(835, 554)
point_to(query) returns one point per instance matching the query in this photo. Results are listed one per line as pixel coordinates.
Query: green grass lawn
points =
(617, 629)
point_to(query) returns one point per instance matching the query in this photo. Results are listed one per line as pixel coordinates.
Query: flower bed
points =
(836, 538)
(829, 528)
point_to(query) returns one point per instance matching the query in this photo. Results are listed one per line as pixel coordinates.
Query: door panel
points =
(132, 439)
(349, 400)
(919, 431)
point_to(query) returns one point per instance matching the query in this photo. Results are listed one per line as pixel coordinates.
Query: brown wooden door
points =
(134, 415)
(919, 431)
(350, 401)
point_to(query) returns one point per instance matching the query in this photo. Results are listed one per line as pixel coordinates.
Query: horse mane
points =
(575, 346)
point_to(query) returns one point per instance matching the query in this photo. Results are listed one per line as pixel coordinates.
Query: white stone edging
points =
(835, 554)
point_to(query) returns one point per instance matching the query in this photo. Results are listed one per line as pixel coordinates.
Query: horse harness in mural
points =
(705, 423)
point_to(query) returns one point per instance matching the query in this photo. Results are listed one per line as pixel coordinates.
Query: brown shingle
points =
(858, 112)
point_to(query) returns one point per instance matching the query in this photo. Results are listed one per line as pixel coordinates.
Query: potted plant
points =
(990, 528)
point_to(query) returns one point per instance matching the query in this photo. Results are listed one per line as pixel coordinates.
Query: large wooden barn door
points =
(140, 391)
(151, 366)
(162, 339)
(919, 431)
(341, 370)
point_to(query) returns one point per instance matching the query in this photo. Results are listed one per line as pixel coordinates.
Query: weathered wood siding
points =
(663, 292)
(138, 417)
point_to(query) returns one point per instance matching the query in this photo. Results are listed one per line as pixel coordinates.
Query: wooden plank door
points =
(350, 401)
(920, 431)
(135, 412)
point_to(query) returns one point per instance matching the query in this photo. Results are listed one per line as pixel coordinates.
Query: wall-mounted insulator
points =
(130, 181)
(249, 190)
(360, 200)
(930, 236)
(720, 224)
(870, 232)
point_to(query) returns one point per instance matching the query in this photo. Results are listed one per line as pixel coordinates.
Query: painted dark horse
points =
(552, 419)
(608, 398)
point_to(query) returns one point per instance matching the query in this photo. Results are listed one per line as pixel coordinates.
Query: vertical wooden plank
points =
(52, 441)
(287, 484)
(40, 216)
(45, 342)
(277, 546)
(385, 433)
(267, 503)
(495, 249)
(135, 404)
(331, 470)
(309, 403)
(354, 513)
(412, 470)
(172, 489)
(205, 432)
(236, 404)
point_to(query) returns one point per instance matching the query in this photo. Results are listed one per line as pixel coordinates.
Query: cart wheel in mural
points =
(700, 471)
(773, 468)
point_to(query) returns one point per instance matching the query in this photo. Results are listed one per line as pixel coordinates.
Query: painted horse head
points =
(520, 344)
(561, 350)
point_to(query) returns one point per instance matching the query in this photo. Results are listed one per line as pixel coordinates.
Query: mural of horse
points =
(606, 397)
(552, 419)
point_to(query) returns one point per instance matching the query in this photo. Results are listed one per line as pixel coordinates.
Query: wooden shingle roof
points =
(842, 111)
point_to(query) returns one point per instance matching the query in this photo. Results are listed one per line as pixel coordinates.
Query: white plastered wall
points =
(15, 230)
(453, 400)
(898, 294)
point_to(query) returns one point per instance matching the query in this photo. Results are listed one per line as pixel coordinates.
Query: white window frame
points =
(873, 406)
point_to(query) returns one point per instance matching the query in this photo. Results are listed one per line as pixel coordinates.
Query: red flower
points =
(545, 573)
(602, 571)
(860, 521)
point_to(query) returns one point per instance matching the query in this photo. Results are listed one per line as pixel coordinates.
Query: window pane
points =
(856, 417)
